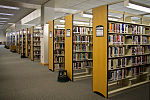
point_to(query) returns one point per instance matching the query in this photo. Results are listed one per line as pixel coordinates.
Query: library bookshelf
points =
(23, 44)
(26, 43)
(29, 43)
(78, 47)
(35, 44)
(13, 47)
(57, 44)
(19, 42)
(128, 55)
(123, 60)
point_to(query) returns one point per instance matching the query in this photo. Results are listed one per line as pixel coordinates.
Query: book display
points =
(13, 47)
(18, 42)
(23, 43)
(35, 44)
(29, 43)
(128, 54)
(82, 46)
(57, 44)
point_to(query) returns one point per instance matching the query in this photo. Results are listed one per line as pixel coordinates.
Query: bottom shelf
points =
(127, 87)
(82, 73)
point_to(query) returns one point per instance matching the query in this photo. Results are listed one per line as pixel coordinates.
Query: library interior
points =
(74, 49)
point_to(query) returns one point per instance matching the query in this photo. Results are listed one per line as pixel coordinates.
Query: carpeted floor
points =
(22, 79)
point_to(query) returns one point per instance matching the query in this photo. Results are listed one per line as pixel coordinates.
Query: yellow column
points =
(100, 51)
(68, 46)
(32, 32)
(50, 35)
(26, 43)
(22, 42)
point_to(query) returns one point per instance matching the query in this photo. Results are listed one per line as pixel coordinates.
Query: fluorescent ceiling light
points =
(138, 7)
(3, 18)
(87, 15)
(38, 27)
(62, 21)
(60, 25)
(6, 14)
(135, 18)
(9, 7)
(113, 19)
(11, 23)
(114, 16)
(3, 21)
(83, 23)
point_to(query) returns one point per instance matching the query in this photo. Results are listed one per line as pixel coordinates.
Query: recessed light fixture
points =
(9, 7)
(3, 21)
(88, 15)
(83, 23)
(62, 21)
(11, 23)
(128, 4)
(6, 14)
(114, 16)
(60, 25)
(113, 19)
(3, 18)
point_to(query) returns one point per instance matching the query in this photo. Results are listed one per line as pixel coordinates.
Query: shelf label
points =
(99, 31)
(68, 33)
(50, 34)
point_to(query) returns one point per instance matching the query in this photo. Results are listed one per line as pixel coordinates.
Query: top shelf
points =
(129, 34)
(128, 23)
(82, 26)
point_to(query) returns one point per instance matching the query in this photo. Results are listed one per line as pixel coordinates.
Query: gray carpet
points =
(22, 79)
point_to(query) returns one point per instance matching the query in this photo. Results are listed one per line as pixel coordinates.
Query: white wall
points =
(44, 45)
(2, 36)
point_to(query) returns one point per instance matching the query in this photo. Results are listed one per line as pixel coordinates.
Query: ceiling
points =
(27, 6)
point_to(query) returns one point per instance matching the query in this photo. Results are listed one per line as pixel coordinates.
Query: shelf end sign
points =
(100, 31)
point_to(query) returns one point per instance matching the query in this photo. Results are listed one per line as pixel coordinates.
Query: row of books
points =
(82, 56)
(118, 27)
(36, 49)
(82, 30)
(59, 52)
(36, 39)
(116, 75)
(139, 40)
(116, 39)
(59, 66)
(58, 59)
(59, 46)
(140, 60)
(124, 73)
(81, 65)
(82, 38)
(134, 29)
(59, 32)
(82, 47)
(117, 63)
(36, 44)
(137, 50)
(125, 28)
(116, 51)
(59, 39)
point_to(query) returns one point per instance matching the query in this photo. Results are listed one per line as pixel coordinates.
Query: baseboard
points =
(44, 64)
